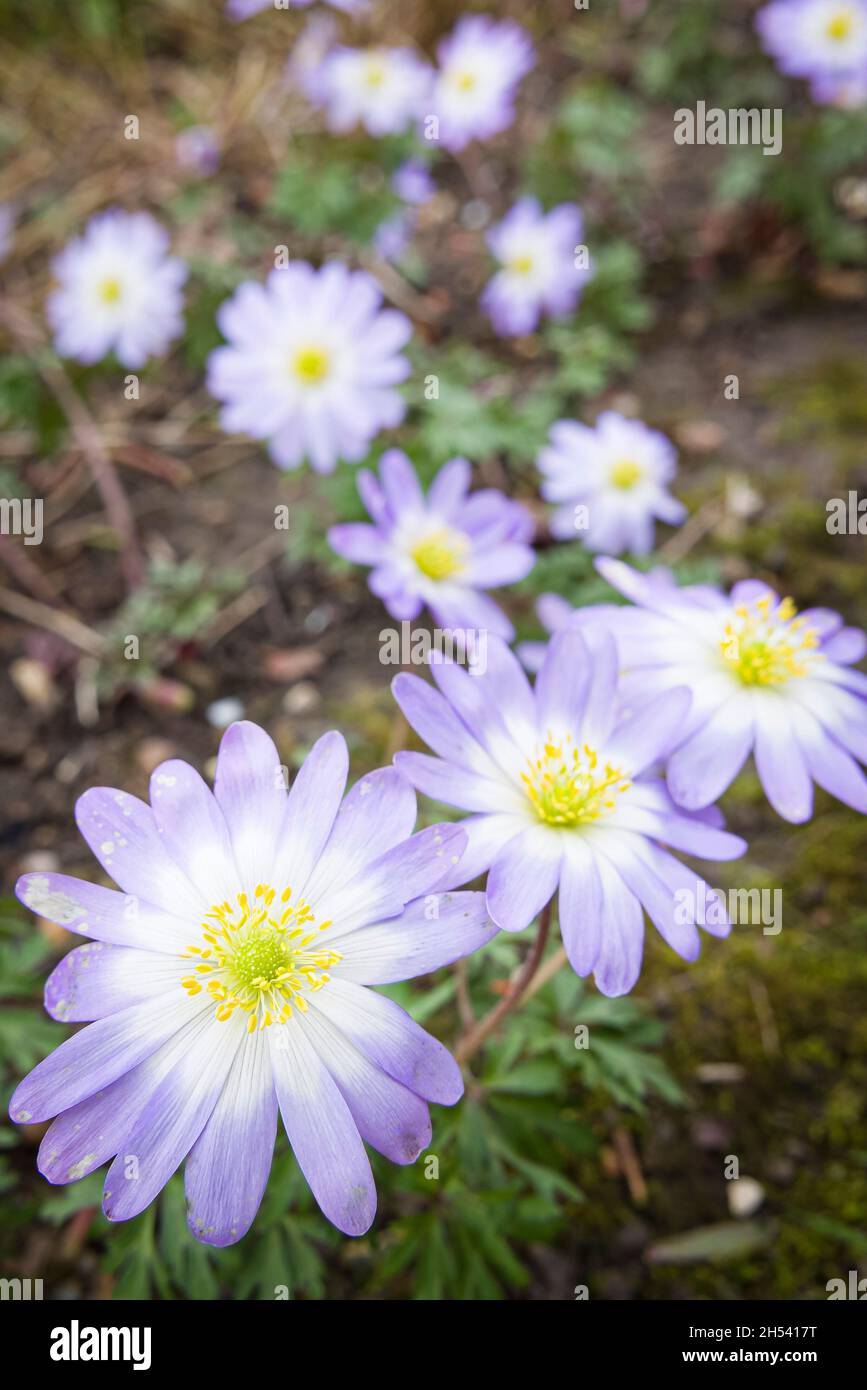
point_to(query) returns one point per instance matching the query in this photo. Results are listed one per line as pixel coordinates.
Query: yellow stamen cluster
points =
(520, 265)
(374, 71)
(310, 365)
(840, 26)
(766, 645)
(464, 81)
(440, 553)
(625, 474)
(109, 290)
(260, 957)
(568, 786)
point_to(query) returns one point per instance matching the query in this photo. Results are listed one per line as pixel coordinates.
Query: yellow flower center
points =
(840, 27)
(568, 786)
(440, 553)
(374, 72)
(464, 81)
(765, 646)
(522, 265)
(625, 474)
(109, 290)
(260, 957)
(310, 365)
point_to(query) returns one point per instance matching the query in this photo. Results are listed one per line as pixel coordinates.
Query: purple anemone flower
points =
(311, 364)
(822, 40)
(609, 482)
(412, 182)
(558, 781)
(538, 271)
(438, 550)
(392, 236)
(243, 9)
(481, 63)
(383, 89)
(228, 979)
(764, 680)
(197, 148)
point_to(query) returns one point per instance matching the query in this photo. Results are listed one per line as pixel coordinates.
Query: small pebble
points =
(224, 712)
(744, 1195)
(301, 698)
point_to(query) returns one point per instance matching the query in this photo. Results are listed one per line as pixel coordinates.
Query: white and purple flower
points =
(311, 364)
(383, 89)
(438, 550)
(243, 9)
(539, 268)
(412, 182)
(558, 780)
(824, 41)
(609, 482)
(197, 149)
(764, 680)
(117, 289)
(414, 186)
(228, 979)
(481, 64)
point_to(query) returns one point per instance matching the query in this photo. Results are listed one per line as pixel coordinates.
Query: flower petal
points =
(378, 814)
(580, 905)
(194, 830)
(98, 1055)
(227, 1168)
(648, 735)
(102, 913)
(311, 808)
(391, 1118)
(701, 769)
(321, 1130)
(524, 877)
(780, 763)
(431, 932)
(251, 793)
(619, 962)
(122, 832)
(172, 1120)
(96, 980)
(390, 1038)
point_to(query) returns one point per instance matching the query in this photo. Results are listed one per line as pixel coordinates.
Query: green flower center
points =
(261, 957)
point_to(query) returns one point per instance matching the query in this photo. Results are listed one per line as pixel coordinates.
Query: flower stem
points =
(470, 1042)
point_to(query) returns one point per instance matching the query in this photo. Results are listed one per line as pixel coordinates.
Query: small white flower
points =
(311, 364)
(383, 89)
(609, 482)
(117, 290)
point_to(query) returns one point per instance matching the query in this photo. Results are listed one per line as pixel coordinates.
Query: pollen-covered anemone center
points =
(767, 646)
(440, 553)
(262, 957)
(109, 290)
(568, 785)
(520, 265)
(839, 26)
(625, 473)
(310, 365)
